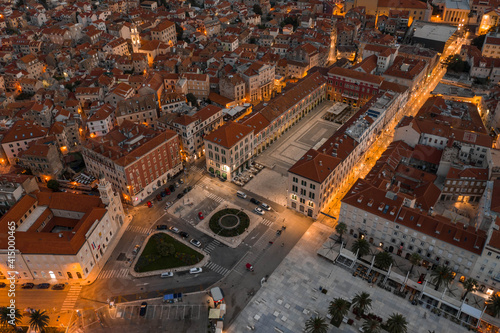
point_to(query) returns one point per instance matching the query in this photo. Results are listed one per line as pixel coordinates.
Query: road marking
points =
(108, 274)
(139, 229)
(266, 222)
(210, 247)
(217, 268)
(71, 298)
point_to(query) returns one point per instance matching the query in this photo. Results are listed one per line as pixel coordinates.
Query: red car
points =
(149, 204)
(167, 191)
(200, 215)
(158, 197)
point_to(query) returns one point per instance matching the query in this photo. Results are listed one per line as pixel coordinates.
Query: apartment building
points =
(193, 128)
(465, 185)
(138, 109)
(19, 137)
(121, 92)
(330, 166)
(135, 158)
(491, 46)
(117, 46)
(407, 72)
(32, 65)
(228, 150)
(273, 119)
(259, 78)
(352, 87)
(198, 84)
(232, 86)
(63, 237)
(42, 159)
(89, 94)
(13, 187)
(165, 32)
(102, 121)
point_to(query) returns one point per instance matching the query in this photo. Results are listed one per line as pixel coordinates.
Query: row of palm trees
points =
(442, 275)
(39, 320)
(361, 303)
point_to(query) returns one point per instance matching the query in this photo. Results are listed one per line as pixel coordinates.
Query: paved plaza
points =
(269, 184)
(292, 295)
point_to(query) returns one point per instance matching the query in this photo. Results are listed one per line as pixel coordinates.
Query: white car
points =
(166, 275)
(168, 204)
(195, 270)
(265, 206)
(259, 211)
(174, 230)
(195, 242)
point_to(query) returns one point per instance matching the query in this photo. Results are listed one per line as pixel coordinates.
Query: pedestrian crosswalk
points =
(266, 222)
(210, 247)
(112, 273)
(197, 169)
(139, 229)
(71, 298)
(215, 197)
(217, 268)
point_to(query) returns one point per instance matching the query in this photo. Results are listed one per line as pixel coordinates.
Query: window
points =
(295, 179)
(312, 186)
(304, 183)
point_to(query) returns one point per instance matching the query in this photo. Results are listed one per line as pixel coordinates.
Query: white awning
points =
(471, 311)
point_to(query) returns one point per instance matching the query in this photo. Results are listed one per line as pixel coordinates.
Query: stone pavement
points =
(291, 295)
(269, 184)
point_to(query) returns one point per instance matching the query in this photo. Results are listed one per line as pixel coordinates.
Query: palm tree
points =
(415, 260)
(362, 302)
(39, 320)
(316, 325)
(493, 305)
(396, 324)
(338, 309)
(469, 285)
(4, 317)
(383, 260)
(371, 326)
(442, 274)
(361, 246)
(341, 229)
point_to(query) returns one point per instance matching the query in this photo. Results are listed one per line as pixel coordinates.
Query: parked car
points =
(189, 188)
(172, 188)
(168, 204)
(59, 286)
(167, 191)
(150, 204)
(258, 210)
(174, 230)
(163, 194)
(158, 197)
(265, 206)
(200, 215)
(177, 184)
(144, 307)
(166, 274)
(184, 234)
(161, 227)
(255, 201)
(195, 270)
(27, 285)
(195, 242)
(181, 181)
(180, 195)
(43, 286)
(136, 249)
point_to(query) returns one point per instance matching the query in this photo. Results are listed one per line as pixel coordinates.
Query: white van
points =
(166, 274)
(241, 194)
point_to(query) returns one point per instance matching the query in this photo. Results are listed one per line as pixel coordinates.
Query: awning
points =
(214, 314)
(471, 311)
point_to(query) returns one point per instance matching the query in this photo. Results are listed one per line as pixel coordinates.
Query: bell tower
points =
(105, 191)
(136, 39)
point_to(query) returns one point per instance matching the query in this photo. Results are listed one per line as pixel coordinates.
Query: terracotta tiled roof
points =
(315, 166)
(349, 73)
(23, 130)
(228, 134)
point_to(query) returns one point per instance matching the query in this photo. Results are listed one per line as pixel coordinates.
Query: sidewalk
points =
(292, 295)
